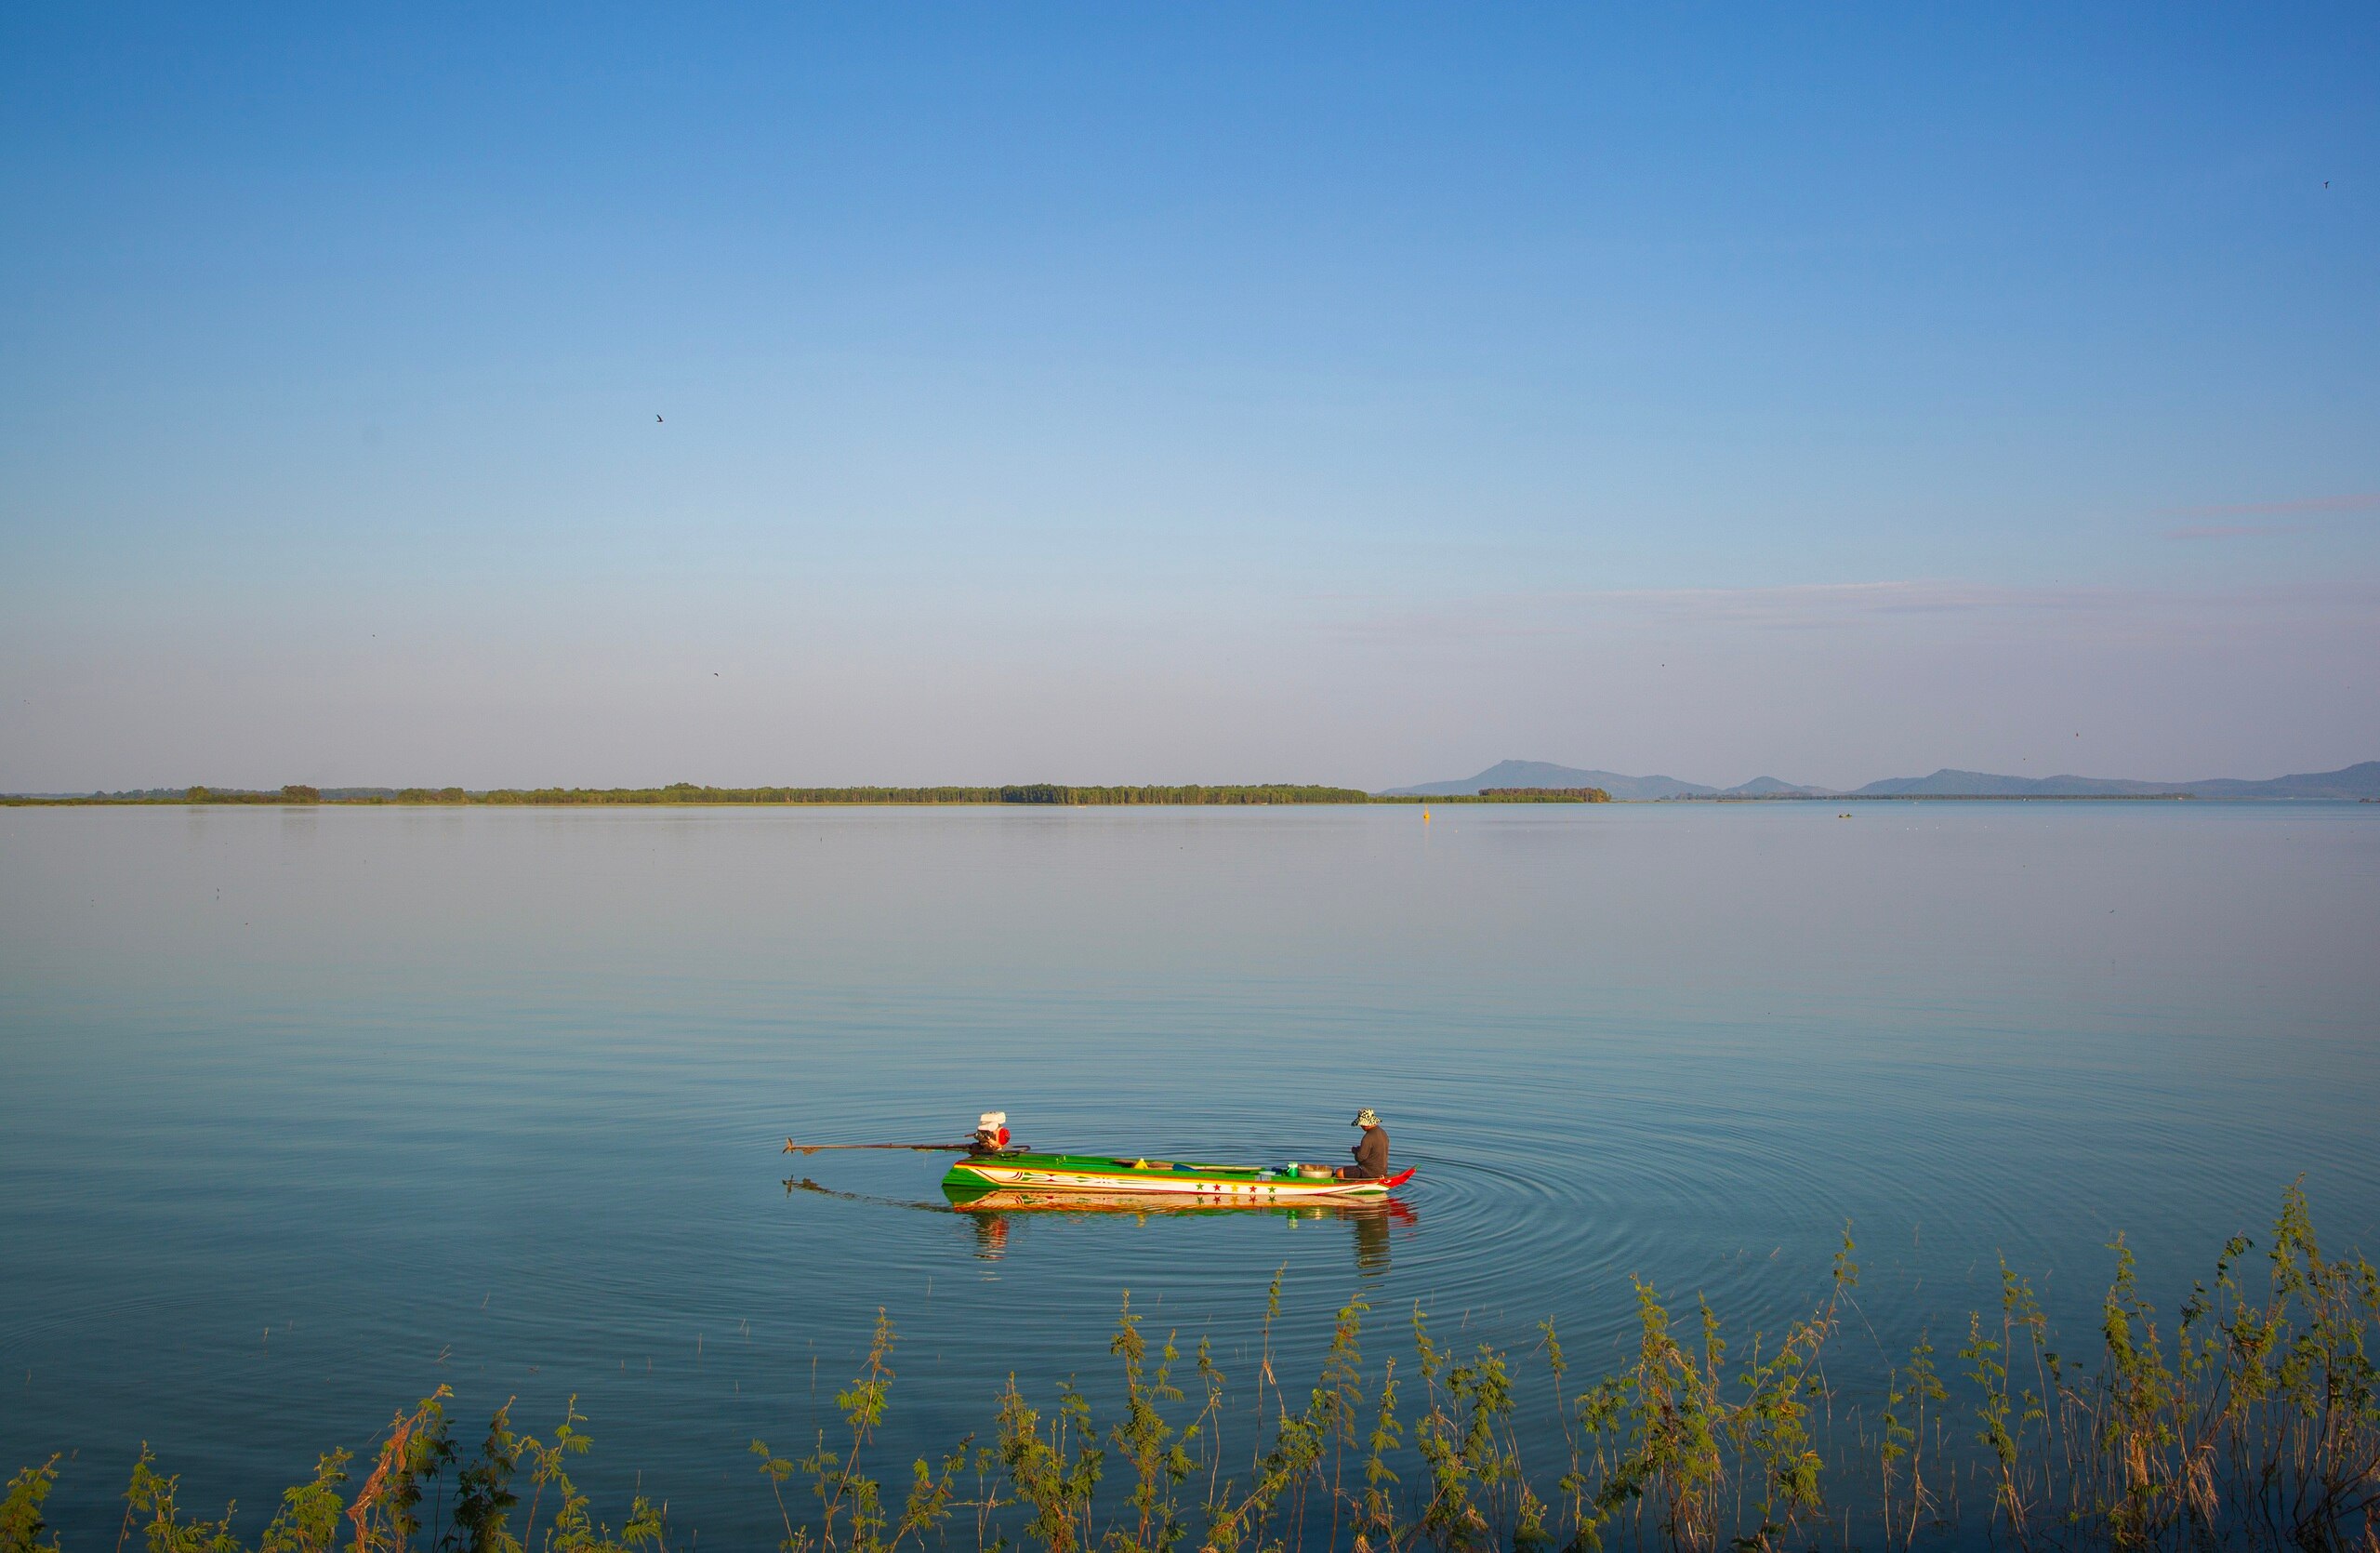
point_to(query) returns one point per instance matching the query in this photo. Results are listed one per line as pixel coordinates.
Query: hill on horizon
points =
(2361, 780)
(2358, 781)
(1545, 774)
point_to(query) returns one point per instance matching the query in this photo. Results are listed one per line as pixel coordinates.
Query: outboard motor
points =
(991, 1134)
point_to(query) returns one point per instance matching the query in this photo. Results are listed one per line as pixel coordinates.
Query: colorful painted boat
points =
(1107, 1175)
(994, 1202)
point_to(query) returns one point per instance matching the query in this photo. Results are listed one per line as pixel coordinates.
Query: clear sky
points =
(1137, 393)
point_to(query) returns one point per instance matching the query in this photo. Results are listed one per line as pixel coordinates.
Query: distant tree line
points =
(296, 792)
(1260, 793)
(1023, 792)
(1502, 795)
(690, 792)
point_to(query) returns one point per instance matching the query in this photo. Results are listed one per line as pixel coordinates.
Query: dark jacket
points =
(1371, 1154)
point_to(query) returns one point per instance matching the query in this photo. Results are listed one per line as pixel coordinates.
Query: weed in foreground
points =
(2252, 1421)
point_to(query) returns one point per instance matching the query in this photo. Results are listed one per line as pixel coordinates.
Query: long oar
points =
(793, 1147)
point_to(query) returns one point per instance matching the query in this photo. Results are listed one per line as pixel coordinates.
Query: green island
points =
(694, 794)
(2250, 1418)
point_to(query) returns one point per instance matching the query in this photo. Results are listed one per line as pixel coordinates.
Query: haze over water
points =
(303, 1112)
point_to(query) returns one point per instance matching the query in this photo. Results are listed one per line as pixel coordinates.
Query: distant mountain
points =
(2360, 780)
(1950, 783)
(2355, 781)
(1544, 773)
(2349, 782)
(1770, 786)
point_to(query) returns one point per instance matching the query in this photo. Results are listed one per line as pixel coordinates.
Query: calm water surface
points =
(304, 1112)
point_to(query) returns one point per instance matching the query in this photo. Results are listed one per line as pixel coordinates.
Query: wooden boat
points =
(1110, 1177)
(993, 1202)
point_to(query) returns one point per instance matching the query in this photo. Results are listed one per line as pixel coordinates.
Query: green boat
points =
(1107, 1174)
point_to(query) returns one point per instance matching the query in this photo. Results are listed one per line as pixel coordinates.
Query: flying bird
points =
(657, 421)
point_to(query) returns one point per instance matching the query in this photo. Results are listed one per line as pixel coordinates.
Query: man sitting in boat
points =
(1372, 1152)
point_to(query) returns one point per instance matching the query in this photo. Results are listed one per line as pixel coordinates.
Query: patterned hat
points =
(1366, 1117)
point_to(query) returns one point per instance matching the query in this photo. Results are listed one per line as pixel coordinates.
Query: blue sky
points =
(1333, 393)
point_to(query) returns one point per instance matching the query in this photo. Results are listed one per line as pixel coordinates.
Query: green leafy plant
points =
(20, 1520)
(2250, 1420)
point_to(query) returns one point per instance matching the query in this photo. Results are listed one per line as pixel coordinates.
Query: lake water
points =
(303, 1112)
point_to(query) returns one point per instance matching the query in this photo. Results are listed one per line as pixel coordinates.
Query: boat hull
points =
(1155, 1178)
(996, 1201)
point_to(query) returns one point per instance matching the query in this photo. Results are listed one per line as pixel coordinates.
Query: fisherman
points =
(1372, 1152)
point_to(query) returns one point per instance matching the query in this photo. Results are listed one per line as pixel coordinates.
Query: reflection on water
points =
(995, 1211)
